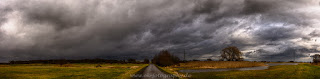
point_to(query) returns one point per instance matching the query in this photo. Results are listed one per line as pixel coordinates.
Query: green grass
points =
(302, 71)
(72, 71)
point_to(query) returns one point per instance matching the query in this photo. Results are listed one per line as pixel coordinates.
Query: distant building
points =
(316, 58)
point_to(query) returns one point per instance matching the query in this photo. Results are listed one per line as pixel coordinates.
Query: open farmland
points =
(302, 71)
(219, 64)
(208, 65)
(69, 71)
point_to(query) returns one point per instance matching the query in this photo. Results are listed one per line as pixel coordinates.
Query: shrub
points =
(131, 61)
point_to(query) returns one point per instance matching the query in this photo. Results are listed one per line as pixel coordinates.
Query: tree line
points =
(93, 61)
(164, 58)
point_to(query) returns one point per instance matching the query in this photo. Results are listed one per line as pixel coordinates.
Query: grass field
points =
(69, 71)
(219, 64)
(317, 64)
(302, 71)
(209, 65)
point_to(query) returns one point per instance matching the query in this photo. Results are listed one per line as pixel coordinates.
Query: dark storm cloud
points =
(315, 34)
(119, 29)
(207, 6)
(289, 54)
(276, 34)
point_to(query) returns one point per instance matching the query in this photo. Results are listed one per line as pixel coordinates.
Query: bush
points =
(131, 61)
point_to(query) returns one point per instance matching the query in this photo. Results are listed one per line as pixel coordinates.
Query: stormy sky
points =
(270, 30)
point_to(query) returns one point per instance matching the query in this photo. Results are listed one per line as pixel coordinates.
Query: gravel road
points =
(152, 72)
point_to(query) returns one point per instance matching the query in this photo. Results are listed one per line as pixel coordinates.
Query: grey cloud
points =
(315, 34)
(276, 34)
(290, 54)
(141, 28)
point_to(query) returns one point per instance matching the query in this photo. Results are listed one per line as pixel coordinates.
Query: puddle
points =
(230, 69)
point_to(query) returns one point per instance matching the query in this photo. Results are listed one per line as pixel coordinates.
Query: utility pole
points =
(184, 55)
(295, 55)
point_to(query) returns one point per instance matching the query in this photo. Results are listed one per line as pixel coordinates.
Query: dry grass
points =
(208, 64)
(301, 71)
(174, 71)
(317, 64)
(219, 64)
(4, 65)
(69, 71)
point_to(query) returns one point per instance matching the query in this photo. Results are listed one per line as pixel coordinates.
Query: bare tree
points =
(316, 58)
(164, 58)
(231, 53)
(146, 61)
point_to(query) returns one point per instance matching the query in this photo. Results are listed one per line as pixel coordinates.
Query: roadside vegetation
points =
(69, 71)
(173, 71)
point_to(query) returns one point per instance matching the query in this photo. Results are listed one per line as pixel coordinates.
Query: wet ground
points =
(230, 69)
